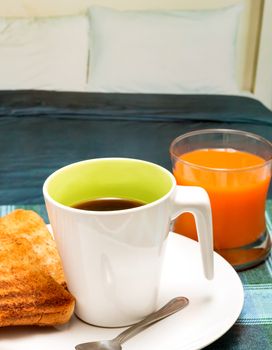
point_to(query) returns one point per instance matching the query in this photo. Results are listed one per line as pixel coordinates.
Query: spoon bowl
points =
(100, 345)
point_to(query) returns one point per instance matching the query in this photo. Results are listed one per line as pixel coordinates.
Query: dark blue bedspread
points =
(42, 131)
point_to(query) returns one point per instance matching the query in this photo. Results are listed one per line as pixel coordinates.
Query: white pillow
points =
(163, 52)
(50, 54)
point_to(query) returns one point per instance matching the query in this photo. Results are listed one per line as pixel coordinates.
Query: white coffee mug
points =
(112, 259)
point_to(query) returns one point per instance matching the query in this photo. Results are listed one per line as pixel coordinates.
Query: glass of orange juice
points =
(234, 167)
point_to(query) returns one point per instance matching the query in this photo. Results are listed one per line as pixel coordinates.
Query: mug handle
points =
(195, 200)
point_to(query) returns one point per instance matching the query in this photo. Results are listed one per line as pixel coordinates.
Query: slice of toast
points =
(29, 225)
(31, 277)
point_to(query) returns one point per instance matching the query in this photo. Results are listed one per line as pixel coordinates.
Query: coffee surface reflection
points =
(108, 204)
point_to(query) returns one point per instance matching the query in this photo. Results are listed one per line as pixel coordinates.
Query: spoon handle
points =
(168, 309)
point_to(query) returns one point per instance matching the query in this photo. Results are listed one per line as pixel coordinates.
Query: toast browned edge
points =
(34, 298)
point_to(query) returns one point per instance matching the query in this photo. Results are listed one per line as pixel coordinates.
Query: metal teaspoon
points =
(170, 308)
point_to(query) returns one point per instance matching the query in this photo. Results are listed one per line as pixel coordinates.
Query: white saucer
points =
(213, 309)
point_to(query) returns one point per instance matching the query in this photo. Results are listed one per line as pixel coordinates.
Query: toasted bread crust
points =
(36, 300)
(30, 293)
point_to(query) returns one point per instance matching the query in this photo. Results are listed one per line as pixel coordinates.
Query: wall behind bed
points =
(249, 74)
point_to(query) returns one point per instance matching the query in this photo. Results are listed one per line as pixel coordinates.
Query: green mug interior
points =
(104, 178)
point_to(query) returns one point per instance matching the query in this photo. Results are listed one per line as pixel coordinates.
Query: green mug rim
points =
(48, 197)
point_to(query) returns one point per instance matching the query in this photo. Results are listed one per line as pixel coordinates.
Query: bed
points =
(43, 128)
(63, 105)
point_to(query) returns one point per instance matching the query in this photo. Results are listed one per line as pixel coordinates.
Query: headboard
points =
(253, 65)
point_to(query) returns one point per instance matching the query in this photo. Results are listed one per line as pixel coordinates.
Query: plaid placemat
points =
(253, 329)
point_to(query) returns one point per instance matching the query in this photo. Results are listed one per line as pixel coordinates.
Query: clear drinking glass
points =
(235, 169)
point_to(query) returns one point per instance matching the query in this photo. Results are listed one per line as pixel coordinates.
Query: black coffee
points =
(108, 204)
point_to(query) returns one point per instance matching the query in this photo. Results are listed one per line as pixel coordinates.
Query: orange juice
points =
(237, 183)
